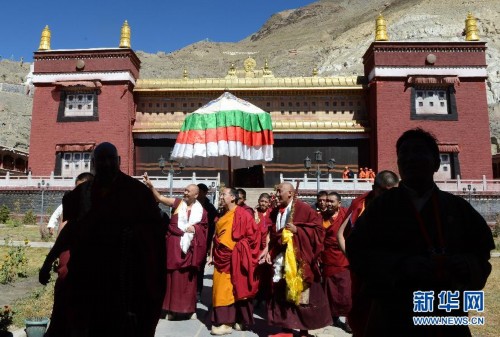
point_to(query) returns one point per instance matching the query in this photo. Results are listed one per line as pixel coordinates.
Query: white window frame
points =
(74, 163)
(79, 104)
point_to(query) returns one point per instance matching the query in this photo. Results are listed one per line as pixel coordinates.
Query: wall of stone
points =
(488, 207)
(31, 200)
(13, 88)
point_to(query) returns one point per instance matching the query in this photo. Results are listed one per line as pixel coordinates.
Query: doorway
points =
(249, 177)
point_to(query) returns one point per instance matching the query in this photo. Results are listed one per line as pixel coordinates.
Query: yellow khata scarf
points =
(293, 277)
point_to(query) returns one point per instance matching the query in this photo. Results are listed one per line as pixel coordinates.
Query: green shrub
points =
(17, 206)
(14, 263)
(496, 229)
(12, 222)
(29, 218)
(4, 214)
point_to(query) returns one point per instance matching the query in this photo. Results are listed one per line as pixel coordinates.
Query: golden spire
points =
(381, 29)
(315, 72)
(471, 32)
(185, 73)
(45, 39)
(232, 69)
(125, 35)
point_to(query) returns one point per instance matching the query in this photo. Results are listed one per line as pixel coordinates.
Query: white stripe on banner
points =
(215, 154)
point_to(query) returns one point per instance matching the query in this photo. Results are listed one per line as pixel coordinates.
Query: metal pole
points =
(318, 175)
(41, 212)
(171, 178)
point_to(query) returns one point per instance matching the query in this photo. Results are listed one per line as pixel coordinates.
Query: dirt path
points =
(19, 289)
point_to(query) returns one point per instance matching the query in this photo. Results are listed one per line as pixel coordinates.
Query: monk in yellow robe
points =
(235, 252)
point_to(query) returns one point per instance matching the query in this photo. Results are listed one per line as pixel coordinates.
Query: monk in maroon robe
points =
(115, 237)
(186, 248)
(312, 312)
(59, 324)
(335, 267)
(358, 316)
(263, 220)
(417, 238)
(235, 252)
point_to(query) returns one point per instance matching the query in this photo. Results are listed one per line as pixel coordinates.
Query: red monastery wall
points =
(115, 106)
(470, 132)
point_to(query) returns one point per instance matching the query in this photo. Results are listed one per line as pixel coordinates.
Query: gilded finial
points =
(45, 39)
(231, 73)
(125, 35)
(249, 67)
(315, 72)
(185, 73)
(471, 31)
(266, 72)
(381, 29)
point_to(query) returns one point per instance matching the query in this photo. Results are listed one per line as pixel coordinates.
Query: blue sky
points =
(160, 25)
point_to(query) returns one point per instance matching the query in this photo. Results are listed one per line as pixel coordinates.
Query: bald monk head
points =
(106, 163)
(384, 180)
(191, 193)
(285, 193)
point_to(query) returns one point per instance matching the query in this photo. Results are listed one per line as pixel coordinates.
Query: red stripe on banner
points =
(232, 133)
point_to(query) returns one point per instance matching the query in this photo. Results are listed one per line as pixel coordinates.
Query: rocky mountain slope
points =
(332, 36)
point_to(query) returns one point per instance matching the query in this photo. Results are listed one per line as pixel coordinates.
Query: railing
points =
(452, 185)
(57, 182)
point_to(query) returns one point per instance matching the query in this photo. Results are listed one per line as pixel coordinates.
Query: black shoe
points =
(347, 327)
(198, 297)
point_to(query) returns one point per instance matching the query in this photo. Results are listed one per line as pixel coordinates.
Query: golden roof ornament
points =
(266, 72)
(231, 73)
(185, 73)
(315, 72)
(381, 29)
(125, 35)
(45, 39)
(249, 66)
(471, 31)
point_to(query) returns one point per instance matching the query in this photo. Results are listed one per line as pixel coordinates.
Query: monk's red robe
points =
(308, 244)
(264, 224)
(249, 209)
(396, 250)
(335, 269)
(242, 260)
(357, 207)
(116, 272)
(360, 306)
(182, 268)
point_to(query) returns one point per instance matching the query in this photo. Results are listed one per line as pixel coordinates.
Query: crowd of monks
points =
(284, 252)
(313, 266)
(364, 174)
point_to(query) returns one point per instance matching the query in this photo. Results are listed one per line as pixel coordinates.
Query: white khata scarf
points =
(279, 262)
(183, 222)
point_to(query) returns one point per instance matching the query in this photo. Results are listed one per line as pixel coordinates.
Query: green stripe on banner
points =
(245, 120)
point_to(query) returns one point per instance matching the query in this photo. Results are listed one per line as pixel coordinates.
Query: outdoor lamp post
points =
(318, 158)
(161, 163)
(42, 186)
(470, 190)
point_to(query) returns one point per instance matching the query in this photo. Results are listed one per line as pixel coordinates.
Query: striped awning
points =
(446, 80)
(86, 84)
(76, 147)
(448, 148)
